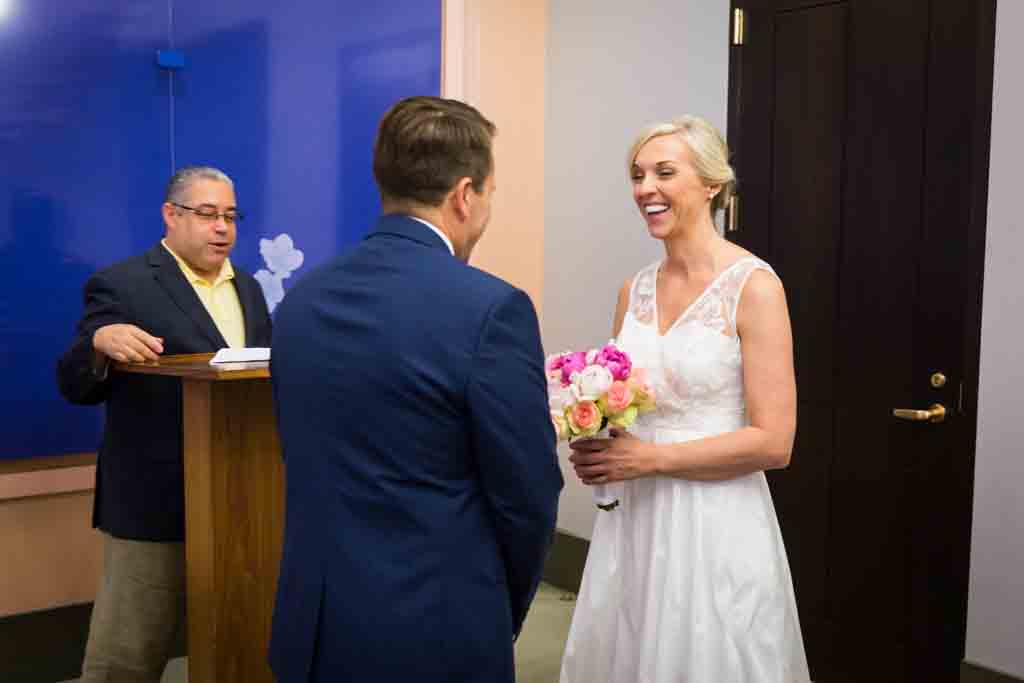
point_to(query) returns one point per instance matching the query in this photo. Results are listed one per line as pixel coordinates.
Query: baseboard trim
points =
(975, 673)
(568, 556)
(48, 645)
(44, 646)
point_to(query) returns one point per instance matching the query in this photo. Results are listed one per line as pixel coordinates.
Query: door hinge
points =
(732, 219)
(739, 26)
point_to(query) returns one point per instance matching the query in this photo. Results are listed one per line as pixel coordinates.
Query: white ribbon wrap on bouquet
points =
(606, 496)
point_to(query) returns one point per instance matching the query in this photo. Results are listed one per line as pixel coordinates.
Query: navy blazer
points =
(139, 472)
(422, 481)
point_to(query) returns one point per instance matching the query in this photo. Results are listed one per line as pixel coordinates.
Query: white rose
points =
(559, 397)
(591, 383)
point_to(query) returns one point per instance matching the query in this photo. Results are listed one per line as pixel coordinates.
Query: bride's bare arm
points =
(770, 391)
(769, 382)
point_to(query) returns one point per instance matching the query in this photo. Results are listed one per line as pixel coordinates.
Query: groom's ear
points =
(461, 197)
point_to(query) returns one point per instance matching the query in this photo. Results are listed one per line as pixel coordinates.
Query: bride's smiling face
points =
(666, 187)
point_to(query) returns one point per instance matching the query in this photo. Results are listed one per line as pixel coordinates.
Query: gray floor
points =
(538, 650)
(539, 647)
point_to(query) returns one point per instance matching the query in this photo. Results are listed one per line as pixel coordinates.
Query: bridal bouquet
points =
(590, 391)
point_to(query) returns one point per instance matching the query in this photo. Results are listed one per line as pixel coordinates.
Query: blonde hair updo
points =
(707, 147)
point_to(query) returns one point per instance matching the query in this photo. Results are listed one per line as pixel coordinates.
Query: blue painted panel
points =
(408, 63)
(85, 150)
(284, 97)
(287, 101)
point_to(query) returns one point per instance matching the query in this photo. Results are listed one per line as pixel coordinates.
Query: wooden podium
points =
(234, 514)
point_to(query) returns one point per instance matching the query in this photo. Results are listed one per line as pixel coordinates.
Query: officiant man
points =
(422, 481)
(183, 295)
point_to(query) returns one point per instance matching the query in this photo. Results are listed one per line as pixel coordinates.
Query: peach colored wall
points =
(495, 60)
(51, 554)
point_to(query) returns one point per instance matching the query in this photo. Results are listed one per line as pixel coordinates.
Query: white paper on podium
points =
(243, 355)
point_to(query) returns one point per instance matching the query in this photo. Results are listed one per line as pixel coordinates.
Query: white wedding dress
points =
(688, 581)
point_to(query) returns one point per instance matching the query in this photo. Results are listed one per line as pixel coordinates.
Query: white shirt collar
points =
(444, 237)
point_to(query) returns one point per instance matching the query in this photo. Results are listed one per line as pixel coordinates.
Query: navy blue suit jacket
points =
(139, 472)
(422, 481)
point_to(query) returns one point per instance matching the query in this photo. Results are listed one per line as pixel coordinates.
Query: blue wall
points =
(285, 97)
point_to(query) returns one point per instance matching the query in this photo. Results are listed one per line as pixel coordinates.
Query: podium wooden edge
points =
(197, 366)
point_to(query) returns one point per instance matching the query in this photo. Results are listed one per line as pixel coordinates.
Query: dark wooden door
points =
(860, 136)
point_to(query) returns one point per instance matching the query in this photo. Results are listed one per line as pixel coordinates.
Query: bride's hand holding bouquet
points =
(594, 394)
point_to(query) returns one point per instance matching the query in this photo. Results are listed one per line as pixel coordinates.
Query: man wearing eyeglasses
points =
(181, 296)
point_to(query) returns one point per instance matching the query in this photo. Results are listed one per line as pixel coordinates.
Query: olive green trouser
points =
(139, 608)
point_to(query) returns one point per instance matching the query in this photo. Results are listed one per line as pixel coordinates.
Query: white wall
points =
(612, 67)
(995, 624)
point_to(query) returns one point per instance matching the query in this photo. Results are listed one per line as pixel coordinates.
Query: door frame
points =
(981, 139)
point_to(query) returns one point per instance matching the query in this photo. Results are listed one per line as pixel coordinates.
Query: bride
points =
(687, 579)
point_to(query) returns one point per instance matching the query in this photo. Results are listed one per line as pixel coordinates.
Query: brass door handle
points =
(935, 413)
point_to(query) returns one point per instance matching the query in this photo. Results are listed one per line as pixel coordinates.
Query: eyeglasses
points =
(210, 214)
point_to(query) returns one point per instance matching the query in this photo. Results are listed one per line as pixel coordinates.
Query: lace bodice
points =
(696, 367)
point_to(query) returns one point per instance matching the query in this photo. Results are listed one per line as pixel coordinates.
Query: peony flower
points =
(617, 362)
(584, 418)
(553, 363)
(567, 364)
(553, 367)
(623, 419)
(591, 383)
(616, 399)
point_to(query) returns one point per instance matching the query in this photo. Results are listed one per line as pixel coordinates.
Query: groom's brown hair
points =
(426, 144)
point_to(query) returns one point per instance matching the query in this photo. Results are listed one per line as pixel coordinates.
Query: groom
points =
(422, 484)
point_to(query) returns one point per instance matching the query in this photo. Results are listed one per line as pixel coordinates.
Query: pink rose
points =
(584, 418)
(643, 392)
(617, 362)
(617, 398)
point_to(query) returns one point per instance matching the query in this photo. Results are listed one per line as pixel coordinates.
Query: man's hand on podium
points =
(127, 343)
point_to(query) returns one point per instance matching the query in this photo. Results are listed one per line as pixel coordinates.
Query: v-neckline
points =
(696, 300)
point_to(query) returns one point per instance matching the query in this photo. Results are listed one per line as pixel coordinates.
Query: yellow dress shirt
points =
(219, 298)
